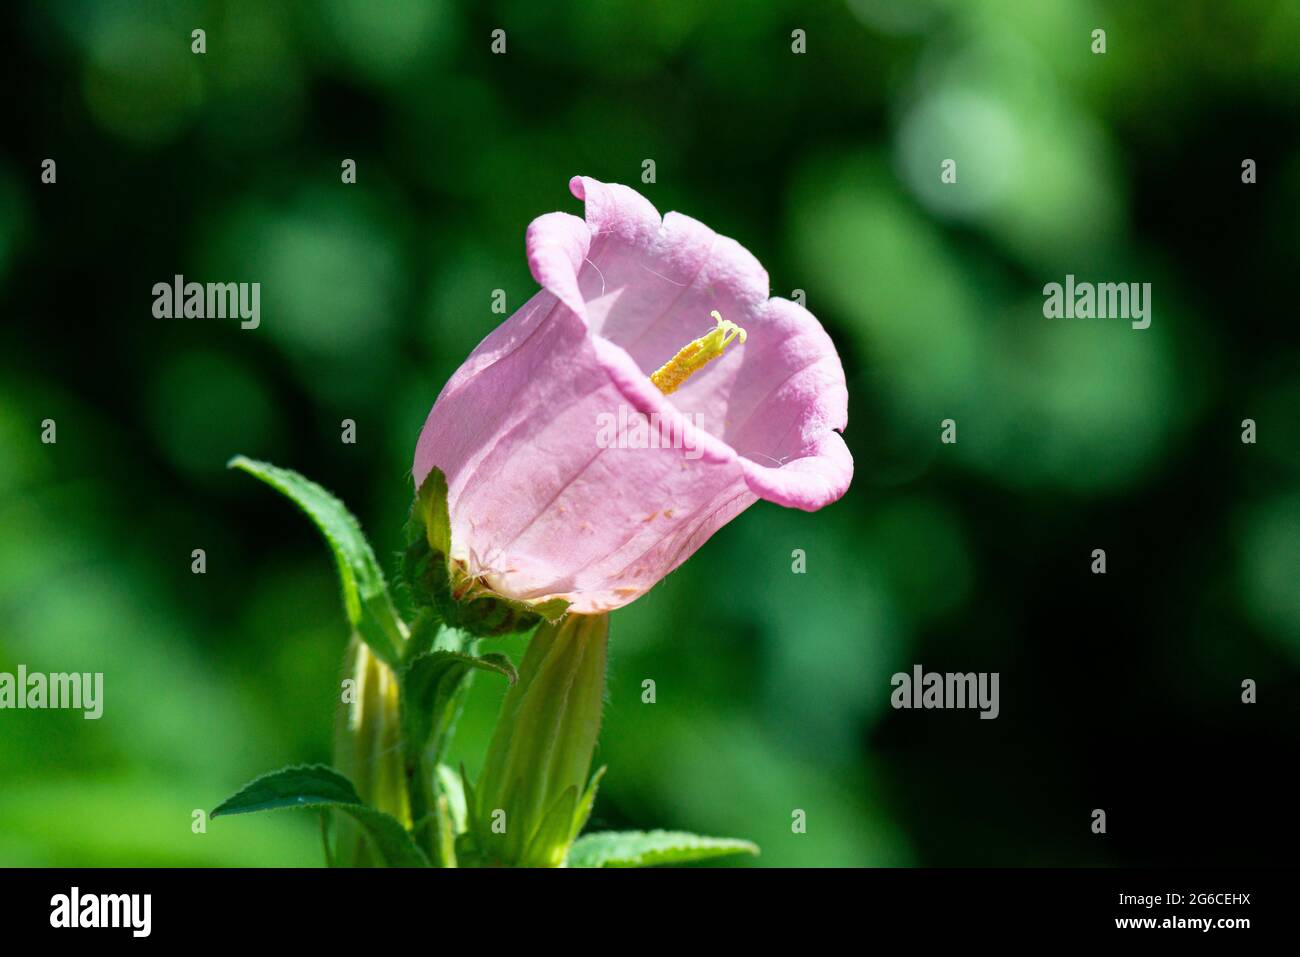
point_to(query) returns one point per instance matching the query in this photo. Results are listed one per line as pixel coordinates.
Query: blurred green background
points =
(1120, 692)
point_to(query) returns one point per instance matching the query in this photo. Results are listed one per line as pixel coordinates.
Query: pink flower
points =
(543, 504)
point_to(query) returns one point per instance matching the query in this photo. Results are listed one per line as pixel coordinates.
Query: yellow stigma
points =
(693, 356)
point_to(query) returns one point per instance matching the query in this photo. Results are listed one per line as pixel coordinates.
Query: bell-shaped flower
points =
(647, 395)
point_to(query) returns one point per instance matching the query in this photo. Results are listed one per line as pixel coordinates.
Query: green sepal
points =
(320, 787)
(366, 600)
(431, 518)
(582, 813)
(650, 848)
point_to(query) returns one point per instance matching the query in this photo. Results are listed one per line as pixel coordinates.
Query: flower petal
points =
(557, 245)
(649, 286)
(810, 482)
(540, 506)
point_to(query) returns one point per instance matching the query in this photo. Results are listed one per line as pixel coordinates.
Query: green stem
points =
(430, 822)
(419, 791)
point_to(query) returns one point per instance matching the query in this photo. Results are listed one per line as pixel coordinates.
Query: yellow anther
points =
(693, 356)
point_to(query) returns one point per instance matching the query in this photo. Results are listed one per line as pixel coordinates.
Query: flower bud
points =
(534, 795)
(368, 750)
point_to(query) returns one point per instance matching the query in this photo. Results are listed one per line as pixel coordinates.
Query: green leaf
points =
(317, 786)
(369, 607)
(430, 685)
(648, 848)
